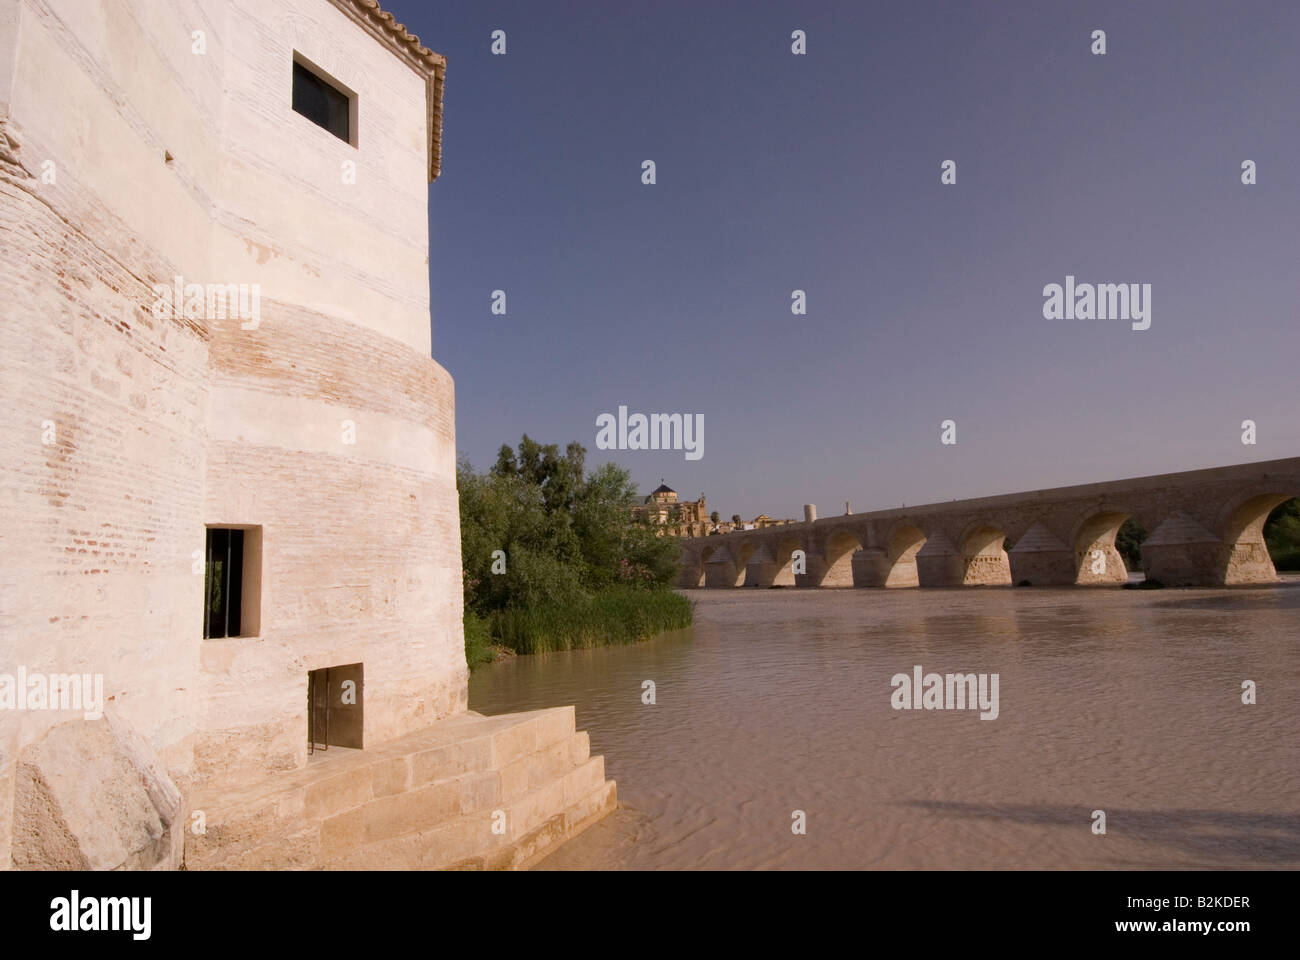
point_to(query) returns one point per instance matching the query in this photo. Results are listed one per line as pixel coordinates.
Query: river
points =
(776, 701)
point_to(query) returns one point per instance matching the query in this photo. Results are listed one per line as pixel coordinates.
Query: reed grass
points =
(614, 615)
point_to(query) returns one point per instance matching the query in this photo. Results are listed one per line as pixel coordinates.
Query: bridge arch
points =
(893, 565)
(984, 561)
(721, 568)
(1096, 561)
(1245, 557)
(783, 549)
(837, 558)
(693, 566)
(1244, 515)
(726, 566)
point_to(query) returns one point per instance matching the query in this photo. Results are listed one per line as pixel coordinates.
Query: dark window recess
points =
(335, 707)
(223, 583)
(320, 102)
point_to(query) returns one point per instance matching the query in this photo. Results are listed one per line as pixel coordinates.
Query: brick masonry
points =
(127, 157)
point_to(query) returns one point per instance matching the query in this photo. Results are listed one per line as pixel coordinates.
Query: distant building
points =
(690, 518)
(676, 518)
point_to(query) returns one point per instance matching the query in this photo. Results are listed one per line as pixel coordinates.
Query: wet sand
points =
(780, 700)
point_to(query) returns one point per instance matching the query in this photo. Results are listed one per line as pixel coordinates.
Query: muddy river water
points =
(776, 709)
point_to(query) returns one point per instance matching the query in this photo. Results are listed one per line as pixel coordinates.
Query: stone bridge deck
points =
(1205, 528)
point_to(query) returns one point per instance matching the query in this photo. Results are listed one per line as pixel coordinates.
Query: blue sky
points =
(821, 172)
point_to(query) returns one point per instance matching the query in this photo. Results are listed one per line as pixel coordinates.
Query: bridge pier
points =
(1184, 565)
(1182, 553)
(1246, 558)
(871, 568)
(816, 571)
(762, 568)
(1249, 563)
(838, 573)
(1040, 558)
(720, 570)
(938, 564)
(689, 578)
(986, 570)
(1112, 567)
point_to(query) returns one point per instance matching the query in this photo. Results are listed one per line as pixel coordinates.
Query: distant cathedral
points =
(690, 518)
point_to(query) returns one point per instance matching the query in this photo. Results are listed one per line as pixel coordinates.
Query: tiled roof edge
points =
(432, 66)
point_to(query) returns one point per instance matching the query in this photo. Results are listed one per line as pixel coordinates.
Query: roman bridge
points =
(1205, 528)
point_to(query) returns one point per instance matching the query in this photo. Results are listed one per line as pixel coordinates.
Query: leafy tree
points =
(505, 513)
(558, 477)
(1128, 543)
(565, 534)
(1282, 535)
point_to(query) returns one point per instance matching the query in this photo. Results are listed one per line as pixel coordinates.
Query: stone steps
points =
(533, 824)
(427, 800)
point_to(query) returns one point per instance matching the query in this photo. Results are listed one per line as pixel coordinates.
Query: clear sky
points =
(821, 172)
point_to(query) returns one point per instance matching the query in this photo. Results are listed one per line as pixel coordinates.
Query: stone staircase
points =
(468, 792)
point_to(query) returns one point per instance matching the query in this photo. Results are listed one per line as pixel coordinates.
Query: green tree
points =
(541, 552)
(565, 534)
(1282, 535)
(1128, 543)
